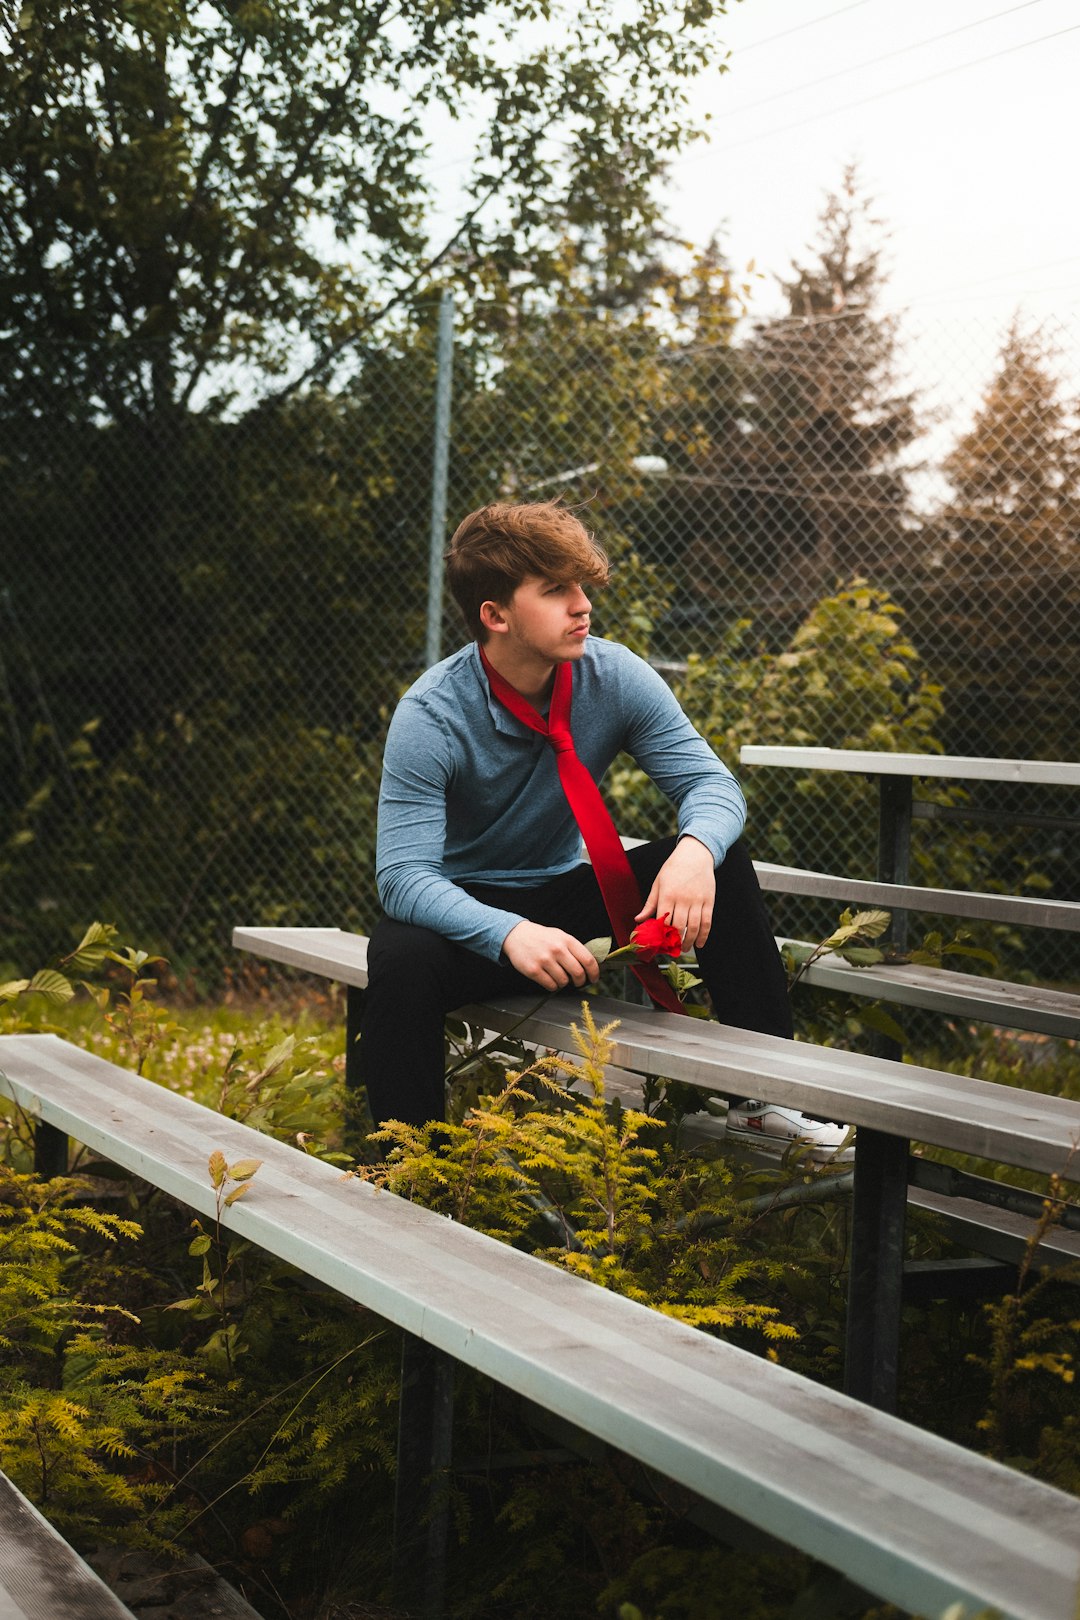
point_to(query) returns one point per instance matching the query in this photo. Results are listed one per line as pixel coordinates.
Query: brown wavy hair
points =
(497, 547)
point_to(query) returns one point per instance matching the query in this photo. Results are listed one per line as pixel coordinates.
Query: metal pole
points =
(422, 1492)
(875, 1287)
(879, 1205)
(439, 472)
(894, 844)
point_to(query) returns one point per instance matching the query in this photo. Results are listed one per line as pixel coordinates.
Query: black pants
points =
(416, 977)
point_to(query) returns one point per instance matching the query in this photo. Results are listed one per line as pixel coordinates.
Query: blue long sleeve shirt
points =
(471, 795)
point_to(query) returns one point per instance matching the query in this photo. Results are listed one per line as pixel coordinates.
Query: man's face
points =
(548, 619)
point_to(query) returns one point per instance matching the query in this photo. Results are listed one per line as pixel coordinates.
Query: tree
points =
(1002, 632)
(1016, 472)
(807, 486)
(220, 210)
(220, 261)
(201, 201)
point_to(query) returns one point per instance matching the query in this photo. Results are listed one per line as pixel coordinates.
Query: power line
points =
(999, 275)
(812, 23)
(979, 291)
(894, 90)
(873, 61)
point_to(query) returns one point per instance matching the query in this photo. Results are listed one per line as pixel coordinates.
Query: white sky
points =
(964, 119)
(967, 135)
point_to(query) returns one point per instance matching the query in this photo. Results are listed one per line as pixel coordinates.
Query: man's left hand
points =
(684, 892)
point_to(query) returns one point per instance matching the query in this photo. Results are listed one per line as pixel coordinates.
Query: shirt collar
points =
(501, 717)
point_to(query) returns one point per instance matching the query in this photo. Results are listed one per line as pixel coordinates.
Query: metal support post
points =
(439, 475)
(875, 1287)
(422, 1495)
(894, 843)
(354, 1008)
(50, 1151)
(879, 1205)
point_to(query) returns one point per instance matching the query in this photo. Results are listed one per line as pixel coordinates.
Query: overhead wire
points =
(892, 90)
(811, 22)
(873, 61)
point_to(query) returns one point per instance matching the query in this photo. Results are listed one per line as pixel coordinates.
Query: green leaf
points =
(875, 1017)
(863, 924)
(217, 1167)
(91, 950)
(13, 988)
(243, 1169)
(52, 985)
(199, 1245)
(600, 948)
(237, 1192)
(861, 955)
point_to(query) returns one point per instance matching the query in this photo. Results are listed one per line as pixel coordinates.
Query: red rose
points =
(655, 937)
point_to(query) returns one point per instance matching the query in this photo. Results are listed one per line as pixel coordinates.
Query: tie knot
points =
(561, 740)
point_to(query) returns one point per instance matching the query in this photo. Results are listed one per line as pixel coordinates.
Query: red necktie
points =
(618, 885)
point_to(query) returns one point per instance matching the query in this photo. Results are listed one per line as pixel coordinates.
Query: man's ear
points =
(493, 618)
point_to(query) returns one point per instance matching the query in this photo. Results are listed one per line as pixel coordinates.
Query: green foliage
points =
(630, 1211)
(849, 679)
(57, 985)
(73, 1419)
(846, 941)
(1032, 1359)
(168, 166)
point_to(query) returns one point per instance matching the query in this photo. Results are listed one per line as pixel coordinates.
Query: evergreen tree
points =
(1016, 473)
(811, 488)
(1001, 630)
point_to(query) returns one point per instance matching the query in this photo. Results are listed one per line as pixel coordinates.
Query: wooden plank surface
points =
(1029, 910)
(1004, 1123)
(958, 767)
(963, 995)
(331, 953)
(1000, 1233)
(915, 1519)
(41, 1577)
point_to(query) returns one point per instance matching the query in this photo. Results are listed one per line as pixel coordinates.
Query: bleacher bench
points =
(41, 1577)
(911, 1518)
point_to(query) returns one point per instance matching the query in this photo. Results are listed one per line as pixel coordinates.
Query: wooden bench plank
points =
(1028, 910)
(995, 1232)
(41, 1577)
(1004, 1123)
(331, 953)
(870, 762)
(913, 1518)
(964, 995)
(971, 1116)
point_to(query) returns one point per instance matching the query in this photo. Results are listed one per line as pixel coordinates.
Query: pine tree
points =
(1016, 473)
(812, 489)
(1002, 631)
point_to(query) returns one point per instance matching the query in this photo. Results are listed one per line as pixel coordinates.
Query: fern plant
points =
(549, 1154)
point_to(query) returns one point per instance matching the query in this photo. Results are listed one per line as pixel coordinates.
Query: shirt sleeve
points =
(675, 756)
(411, 839)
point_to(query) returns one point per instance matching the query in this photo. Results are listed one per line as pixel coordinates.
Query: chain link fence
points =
(205, 619)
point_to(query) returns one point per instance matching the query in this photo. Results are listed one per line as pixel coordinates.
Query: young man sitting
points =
(479, 853)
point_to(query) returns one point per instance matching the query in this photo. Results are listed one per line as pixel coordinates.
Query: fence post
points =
(439, 472)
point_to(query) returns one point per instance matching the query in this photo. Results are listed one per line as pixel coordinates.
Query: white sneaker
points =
(774, 1129)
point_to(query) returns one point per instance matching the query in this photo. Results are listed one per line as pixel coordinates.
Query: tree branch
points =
(216, 317)
(337, 348)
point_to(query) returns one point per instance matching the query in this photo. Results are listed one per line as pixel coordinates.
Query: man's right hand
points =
(551, 958)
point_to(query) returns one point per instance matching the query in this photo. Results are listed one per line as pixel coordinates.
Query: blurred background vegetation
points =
(217, 406)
